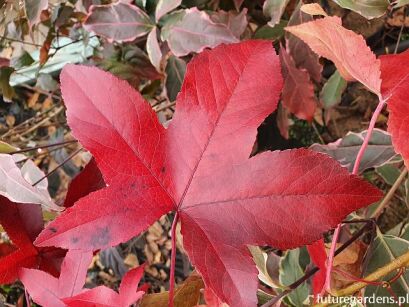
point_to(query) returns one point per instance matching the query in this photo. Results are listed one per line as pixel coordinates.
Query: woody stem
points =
(173, 260)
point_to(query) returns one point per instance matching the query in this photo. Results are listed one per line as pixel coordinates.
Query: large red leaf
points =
(47, 290)
(395, 89)
(348, 50)
(200, 167)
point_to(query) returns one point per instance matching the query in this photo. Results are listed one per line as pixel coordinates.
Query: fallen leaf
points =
(149, 171)
(331, 92)
(348, 50)
(33, 10)
(313, 9)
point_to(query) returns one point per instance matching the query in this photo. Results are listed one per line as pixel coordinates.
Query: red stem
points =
(361, 152)
(173, 260)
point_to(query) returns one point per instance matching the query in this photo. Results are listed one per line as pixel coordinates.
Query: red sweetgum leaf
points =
(318, 256)
(395, 89)
(200, 167)
(47, 290)
(298, 92)
(104, 296)
(348, 50)
(120, 22)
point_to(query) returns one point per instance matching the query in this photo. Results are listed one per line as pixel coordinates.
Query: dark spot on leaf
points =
(163, 169)
(101, 237)
(133, 185)
(75, 240)
(53, 229)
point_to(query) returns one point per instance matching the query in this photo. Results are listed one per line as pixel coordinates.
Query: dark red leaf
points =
(89, 180)
(298, 92)
(319, 257)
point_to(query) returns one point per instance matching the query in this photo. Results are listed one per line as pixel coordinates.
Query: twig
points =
(361, 152)
(390, 194)
(165, 107)
(58, 166)
(42, 146)
(173, 260)
(315, 269)
(19, 41)
(44, 121)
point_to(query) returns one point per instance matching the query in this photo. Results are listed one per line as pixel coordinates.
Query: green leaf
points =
(6, 89)
(23, 60)
(385, 249)
(267, 32)
(332, 90)
(367, 8)
(290, 271)
(388, 172)
(6, 148)
(175, 73)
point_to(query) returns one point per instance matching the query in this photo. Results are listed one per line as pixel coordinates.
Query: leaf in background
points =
(153, 49)
(89, 180)
(104, 296)
(210, 182)
(4, 62)
(15, 186)
(400, 3)
(165, 6)
(236, 22)
(384, 249)
(47, 83)
(195, 32)
(266, 264)
(6, 148)
(298, 92)
(348, 50)
(378, 152)
(47, 290)
(6, 89)
(23, 60)
(301, 53)
(274, 9)
(367, 8)
(237, 4)
(389, 173)
(291, 271)
(175, 73)
(395, 89)
(331, 92)
(318, 256)
(33, 10)
(186, 295)
(120, 22)
(313, 9)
